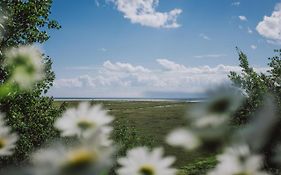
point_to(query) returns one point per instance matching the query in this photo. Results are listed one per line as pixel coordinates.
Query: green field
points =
(153, 121)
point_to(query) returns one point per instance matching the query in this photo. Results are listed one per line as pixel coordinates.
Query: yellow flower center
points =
(80, 159)
(147, 170)
(81, 156)
(2, 143)
(85, 124)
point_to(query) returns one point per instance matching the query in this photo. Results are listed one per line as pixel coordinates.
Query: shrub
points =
(255, 86)
(32, 118)
(28, 113)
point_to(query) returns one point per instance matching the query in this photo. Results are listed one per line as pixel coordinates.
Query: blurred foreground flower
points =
(26, 65)
(206, 123)
(215, 112)
(85, 121)
(91, 154)
(140, 161)
(7, 139)
(183, 138)
(84, 159)
(238, 160)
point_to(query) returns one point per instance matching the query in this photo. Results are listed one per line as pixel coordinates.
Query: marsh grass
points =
(150, 123)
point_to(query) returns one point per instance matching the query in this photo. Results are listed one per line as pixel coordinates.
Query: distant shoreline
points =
(128, 99)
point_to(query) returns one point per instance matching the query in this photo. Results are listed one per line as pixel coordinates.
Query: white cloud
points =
(243, 18)
(170, 65)
(205, 37)
(144, 12)
(210, 56)
(123, 67)
(254, 47)
(270, 26)
(68, 82)
(115, 79)
(237, 3)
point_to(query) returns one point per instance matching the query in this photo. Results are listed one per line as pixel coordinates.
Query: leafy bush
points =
(255, 86)
(33, 120)
(28, 113)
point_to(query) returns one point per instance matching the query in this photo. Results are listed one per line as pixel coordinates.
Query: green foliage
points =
(252, 83)
(29, 113)
(256, 86)
(127, 137)
(33, 120)
(27, 22)
(199, 167)
(150, 122)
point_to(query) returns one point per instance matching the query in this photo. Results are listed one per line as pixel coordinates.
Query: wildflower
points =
(84, 159)
(224, 103)
(216, 112)
(104, 136)
(7, 139)
(26, 64)
(183, 138)
(140, 161)
(220, 105)
(209, 121)
(238, 160)
(84, 121)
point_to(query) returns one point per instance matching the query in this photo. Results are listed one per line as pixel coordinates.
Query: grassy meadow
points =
(152, 121)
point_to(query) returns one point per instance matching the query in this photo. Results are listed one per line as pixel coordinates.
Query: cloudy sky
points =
(157, 48)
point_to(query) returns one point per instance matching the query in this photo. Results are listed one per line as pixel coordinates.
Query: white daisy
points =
(183, 138)
(238, 160)
(27, 66)
(7, 139)
(85, 159)
(140, 161)
(84, 121)
(224, 103)
(218, 108)
(104, 136)
(210, 121)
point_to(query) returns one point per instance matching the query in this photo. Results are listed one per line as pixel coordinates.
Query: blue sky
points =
(151, 48)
